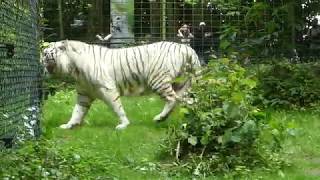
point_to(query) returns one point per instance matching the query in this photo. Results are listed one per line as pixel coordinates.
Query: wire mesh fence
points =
(256, 29)
(20, 75)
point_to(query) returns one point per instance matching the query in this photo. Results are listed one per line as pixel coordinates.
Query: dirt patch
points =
(314, 172)
(315, 160)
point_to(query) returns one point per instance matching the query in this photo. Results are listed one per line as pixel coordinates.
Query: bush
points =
(221, 130)
(53, 84)
(46, 160)
(289, 85)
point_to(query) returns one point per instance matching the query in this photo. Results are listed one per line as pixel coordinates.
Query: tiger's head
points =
(54, 58)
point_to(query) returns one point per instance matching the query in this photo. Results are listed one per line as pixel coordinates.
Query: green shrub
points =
(289, 85)
(221, 130)
(44, 159)
(54, 84)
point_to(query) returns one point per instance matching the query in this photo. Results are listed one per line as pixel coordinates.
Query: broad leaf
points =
(193, 140)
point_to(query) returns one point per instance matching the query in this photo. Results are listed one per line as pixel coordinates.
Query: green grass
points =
(303, 150)
(133, 152)
(129, 152)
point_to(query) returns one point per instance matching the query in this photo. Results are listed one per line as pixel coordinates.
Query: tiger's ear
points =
(70, 47)
(63, 46)
(60, 45)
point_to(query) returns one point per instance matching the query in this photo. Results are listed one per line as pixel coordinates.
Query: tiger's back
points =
(135, 69)
(149, 66)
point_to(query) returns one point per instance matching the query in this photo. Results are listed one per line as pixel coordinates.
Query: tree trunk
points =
(292, 23)
(122, 31)
(163, 19)
(96, 19)
(61, 31)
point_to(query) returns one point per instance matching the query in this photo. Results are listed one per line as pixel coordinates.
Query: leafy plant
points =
(45, 160)
(221, 130)
(289, 85)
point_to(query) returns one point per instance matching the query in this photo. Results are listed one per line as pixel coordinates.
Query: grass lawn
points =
(303, 150)
(133, 152)
(129, 154)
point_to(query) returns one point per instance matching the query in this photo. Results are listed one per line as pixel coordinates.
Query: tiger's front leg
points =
(112, 98)
(79, 111)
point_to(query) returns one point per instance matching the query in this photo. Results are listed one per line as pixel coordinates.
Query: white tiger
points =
(105, 74)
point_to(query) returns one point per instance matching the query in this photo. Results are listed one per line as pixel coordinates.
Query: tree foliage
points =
(81, 19)
(267, 28)
(289, 85)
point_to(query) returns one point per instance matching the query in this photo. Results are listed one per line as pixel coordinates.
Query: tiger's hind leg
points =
(166, 91)
(166, 110)
(112, 98)
(182, 88)
(171, 93)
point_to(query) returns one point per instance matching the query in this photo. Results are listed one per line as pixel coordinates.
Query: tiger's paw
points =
(66, 126)
(122, 126)
(159, 118)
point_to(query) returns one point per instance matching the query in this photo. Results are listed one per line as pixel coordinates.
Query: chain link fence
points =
(20, 72)
(257, 30)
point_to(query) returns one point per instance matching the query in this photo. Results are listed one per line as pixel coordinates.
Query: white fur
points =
(101, 73)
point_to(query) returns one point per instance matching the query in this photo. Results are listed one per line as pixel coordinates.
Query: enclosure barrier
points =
(256, 29)
(20, 75)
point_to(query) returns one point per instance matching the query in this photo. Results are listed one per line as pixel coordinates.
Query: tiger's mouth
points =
(50, 68)
(49, 63)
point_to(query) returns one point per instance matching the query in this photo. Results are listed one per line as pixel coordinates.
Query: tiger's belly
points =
(132, 90)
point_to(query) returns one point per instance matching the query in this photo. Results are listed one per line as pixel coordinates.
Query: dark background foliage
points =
(288, 85)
